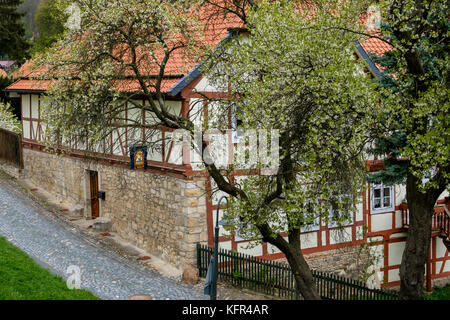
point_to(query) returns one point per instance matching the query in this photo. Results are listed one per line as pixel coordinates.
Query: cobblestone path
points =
(56, 245)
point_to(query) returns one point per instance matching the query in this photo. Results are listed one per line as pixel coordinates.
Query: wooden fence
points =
(11, 147)
(276, 278)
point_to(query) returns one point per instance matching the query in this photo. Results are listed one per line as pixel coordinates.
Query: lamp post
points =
(216, 252)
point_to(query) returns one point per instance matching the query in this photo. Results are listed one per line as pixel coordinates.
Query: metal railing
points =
(276, 278)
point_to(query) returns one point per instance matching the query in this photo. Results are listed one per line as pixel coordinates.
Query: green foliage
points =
(29, 8)
(23, 279)
(298, 75)
(4, 82)
(100, 55)
(12, 32)
(395, 169)
(414, 85)
(439, 293)
(8, 120)
(50, 21)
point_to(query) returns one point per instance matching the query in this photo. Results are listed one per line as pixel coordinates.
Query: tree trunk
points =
(302, 273)
(412, 269)
(292, 250)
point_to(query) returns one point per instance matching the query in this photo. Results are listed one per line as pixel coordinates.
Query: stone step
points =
(102, 224)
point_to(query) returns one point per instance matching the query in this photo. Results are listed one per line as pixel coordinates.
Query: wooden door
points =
(95, 209)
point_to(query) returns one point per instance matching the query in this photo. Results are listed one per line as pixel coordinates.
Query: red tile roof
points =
(179, 64)
(376, 46)
(131, 86)
(216, 28)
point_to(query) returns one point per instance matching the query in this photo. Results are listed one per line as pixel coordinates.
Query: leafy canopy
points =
(295, 71)
(413, 130)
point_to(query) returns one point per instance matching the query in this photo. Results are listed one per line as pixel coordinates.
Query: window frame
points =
(382, 209)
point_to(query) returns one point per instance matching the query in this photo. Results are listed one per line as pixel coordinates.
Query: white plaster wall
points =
(205, 86)
(359, 212)
(340, 235)
(446, 267)
(395, 253)
(217, 194)
(35, 106)
(196, 114)
(324, 238)
(440, 248)
(26, 129)
(308, 240)
(26, 106)
(398, 219)
(394, 275)
(400, 194)
(381, 221)
(222, 231)
(359, 233)
(118, 138)
(377, 253)
(225, 245)
(398, 235)
(155, 154)
(271, 249)
(35, 129)
(251, 250)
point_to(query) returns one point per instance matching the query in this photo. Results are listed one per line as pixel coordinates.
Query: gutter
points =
(363, 55)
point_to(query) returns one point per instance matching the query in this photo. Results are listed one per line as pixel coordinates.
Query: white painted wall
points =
(395, 253)
(308, 240)
(340, 235)
(381, 221)
(35, 106)
(250, 249)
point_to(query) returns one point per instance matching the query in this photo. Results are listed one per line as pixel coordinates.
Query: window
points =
(340, 213)
(236, 123)
(382, 198)
(310, 225)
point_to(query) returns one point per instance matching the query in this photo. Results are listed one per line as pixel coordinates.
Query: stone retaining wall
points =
(350, 262)
(163, 215)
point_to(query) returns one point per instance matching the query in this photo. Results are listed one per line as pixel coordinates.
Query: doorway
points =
(95, 207)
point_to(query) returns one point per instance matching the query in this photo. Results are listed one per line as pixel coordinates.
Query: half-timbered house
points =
(166, 208)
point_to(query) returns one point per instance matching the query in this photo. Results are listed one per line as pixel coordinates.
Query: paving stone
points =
(56, 245)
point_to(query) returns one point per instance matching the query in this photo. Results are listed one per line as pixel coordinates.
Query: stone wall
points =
(350, 262)
(161, 214)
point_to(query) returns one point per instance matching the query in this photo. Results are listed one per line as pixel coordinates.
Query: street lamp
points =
(214, 264)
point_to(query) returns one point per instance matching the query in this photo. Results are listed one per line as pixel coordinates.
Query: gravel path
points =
(56, 245)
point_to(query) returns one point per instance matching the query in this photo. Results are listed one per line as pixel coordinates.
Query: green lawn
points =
(23, 279)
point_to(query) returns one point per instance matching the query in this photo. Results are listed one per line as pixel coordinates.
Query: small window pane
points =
(377, 193)
(387, 192)
(387, 202)
(377, 203)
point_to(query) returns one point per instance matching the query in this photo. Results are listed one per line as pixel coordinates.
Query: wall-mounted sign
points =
(138, 156)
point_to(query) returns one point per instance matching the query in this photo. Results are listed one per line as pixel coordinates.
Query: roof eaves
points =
(186, 80)
(363, 54)
(195, 72)
(25, 91)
